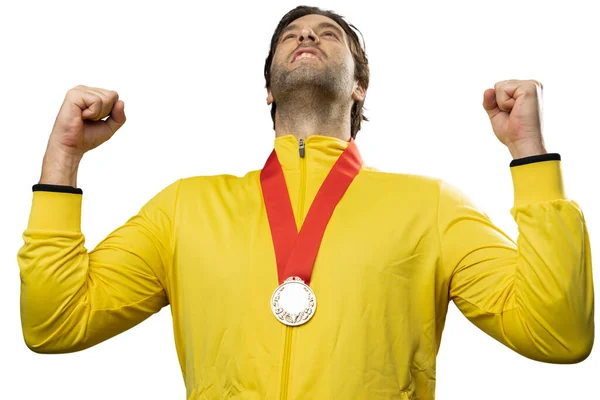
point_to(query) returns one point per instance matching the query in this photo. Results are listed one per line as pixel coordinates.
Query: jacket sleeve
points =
(72, 299)
(536, 295)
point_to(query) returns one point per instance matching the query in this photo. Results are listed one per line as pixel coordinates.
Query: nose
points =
(308, 33)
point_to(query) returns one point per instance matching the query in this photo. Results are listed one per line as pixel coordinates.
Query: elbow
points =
(56, 342)
(46, 344)
(560, 343)
(49, 348)
(38, 346)
(37, 349)
(579, 350)
(578, 341)
(572, 352)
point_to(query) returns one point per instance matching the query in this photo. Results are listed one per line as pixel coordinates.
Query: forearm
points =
(59, 167)
(535, 295)
(53, 266)
(553, 315)
(72, 299)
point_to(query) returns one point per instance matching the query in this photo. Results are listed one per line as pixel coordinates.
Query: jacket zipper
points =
(287, 348)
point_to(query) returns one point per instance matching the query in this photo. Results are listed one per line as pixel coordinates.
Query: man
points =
(317, 277)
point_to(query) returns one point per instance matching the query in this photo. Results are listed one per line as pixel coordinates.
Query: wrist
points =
(59, 167)
(527, 148)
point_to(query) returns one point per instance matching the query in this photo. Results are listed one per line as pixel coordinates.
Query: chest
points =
(227, 249)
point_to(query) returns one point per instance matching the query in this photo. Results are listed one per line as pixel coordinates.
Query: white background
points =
(192, 80)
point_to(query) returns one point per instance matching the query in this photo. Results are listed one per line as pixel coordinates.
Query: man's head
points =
(340, 71)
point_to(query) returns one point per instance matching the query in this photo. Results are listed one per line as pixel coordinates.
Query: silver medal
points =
(293, 302)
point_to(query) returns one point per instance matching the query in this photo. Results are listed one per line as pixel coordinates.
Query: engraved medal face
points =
(293, 302)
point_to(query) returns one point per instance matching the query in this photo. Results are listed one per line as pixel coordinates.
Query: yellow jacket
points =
(397, 249)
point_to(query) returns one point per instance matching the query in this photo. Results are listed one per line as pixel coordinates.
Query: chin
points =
(306, 66)
(326, 79)
(308, 77)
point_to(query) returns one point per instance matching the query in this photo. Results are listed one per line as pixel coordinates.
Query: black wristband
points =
(532, 159)
(44, 187)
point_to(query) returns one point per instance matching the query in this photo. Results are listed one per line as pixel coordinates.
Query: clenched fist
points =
(515, 111)
(79, 127)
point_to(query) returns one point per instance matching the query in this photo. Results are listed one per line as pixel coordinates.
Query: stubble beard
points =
(310, 88)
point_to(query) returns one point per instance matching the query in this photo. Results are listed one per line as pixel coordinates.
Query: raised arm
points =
(536, 295)
(72, 299)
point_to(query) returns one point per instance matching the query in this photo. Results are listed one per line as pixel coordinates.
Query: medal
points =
(294, 302)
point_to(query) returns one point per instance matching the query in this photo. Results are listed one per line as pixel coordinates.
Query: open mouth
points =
(306, 56)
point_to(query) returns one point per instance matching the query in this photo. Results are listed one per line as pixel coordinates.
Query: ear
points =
(270, 99)
(359, 93)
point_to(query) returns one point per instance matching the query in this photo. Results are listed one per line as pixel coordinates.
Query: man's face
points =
(327, 64)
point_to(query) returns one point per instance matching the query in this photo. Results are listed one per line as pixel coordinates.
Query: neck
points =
(307, 114)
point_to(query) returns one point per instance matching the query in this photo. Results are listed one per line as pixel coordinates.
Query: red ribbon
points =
(296, 252)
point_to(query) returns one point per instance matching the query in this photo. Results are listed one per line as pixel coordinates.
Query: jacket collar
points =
(320, 153)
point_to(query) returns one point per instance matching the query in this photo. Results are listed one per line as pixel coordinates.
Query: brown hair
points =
(361, 69)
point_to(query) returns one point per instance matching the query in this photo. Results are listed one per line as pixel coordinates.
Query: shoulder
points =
(405, 180)
(441, 187)
(221, 179)
(206, 185)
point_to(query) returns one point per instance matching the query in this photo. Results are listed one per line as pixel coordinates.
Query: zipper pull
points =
(301, 147)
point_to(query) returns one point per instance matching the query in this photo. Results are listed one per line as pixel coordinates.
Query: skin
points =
(80, 127)
(312, 96)
(515, 111)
